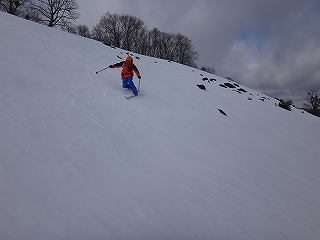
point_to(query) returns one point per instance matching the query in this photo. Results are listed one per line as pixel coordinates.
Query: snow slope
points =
(79, 161)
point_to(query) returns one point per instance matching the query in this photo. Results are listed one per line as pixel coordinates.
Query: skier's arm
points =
(135, 69)
(116, 65)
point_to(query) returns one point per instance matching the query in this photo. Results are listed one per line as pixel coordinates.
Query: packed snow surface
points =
(80, 161)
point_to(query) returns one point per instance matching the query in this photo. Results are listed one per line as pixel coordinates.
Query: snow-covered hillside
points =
(79, 161)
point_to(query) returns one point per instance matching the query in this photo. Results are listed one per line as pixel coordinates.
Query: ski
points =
(131, 96)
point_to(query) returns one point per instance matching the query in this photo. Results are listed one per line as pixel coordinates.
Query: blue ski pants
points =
(128, 83)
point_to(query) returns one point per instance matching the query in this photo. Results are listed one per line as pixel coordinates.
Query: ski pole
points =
(102, 70)
(139, 85)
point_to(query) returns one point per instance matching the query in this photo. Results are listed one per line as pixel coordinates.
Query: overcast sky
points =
(272, 46)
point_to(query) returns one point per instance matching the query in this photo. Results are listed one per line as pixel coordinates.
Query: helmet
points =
(129, 59)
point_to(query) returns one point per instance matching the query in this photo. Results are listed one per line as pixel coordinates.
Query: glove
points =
(110, 66)
(139, 77)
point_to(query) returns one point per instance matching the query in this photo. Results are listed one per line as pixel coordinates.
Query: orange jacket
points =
(127, 69)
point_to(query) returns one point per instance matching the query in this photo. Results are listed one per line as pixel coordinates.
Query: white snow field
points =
(79, 161)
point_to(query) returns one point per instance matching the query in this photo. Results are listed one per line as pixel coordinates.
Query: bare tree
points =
(14, 7)
(285, 104)
(313, 102)
(123, 31)
(83, 30)
(60, 13)
(131, 29)
(167, 44)
(184, 51)
(143, 45)
(208, 69)
(170, 46)
(130, 33)
(154, 41)
(108, 30)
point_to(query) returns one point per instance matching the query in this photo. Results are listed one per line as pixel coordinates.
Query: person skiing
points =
(128, 68)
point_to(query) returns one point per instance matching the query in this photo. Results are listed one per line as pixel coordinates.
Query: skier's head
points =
(129, 59)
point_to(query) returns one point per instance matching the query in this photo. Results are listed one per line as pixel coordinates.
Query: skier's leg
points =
(125, 83)
(132, 86)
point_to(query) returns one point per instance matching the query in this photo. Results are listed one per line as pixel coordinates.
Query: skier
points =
(127, 73)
